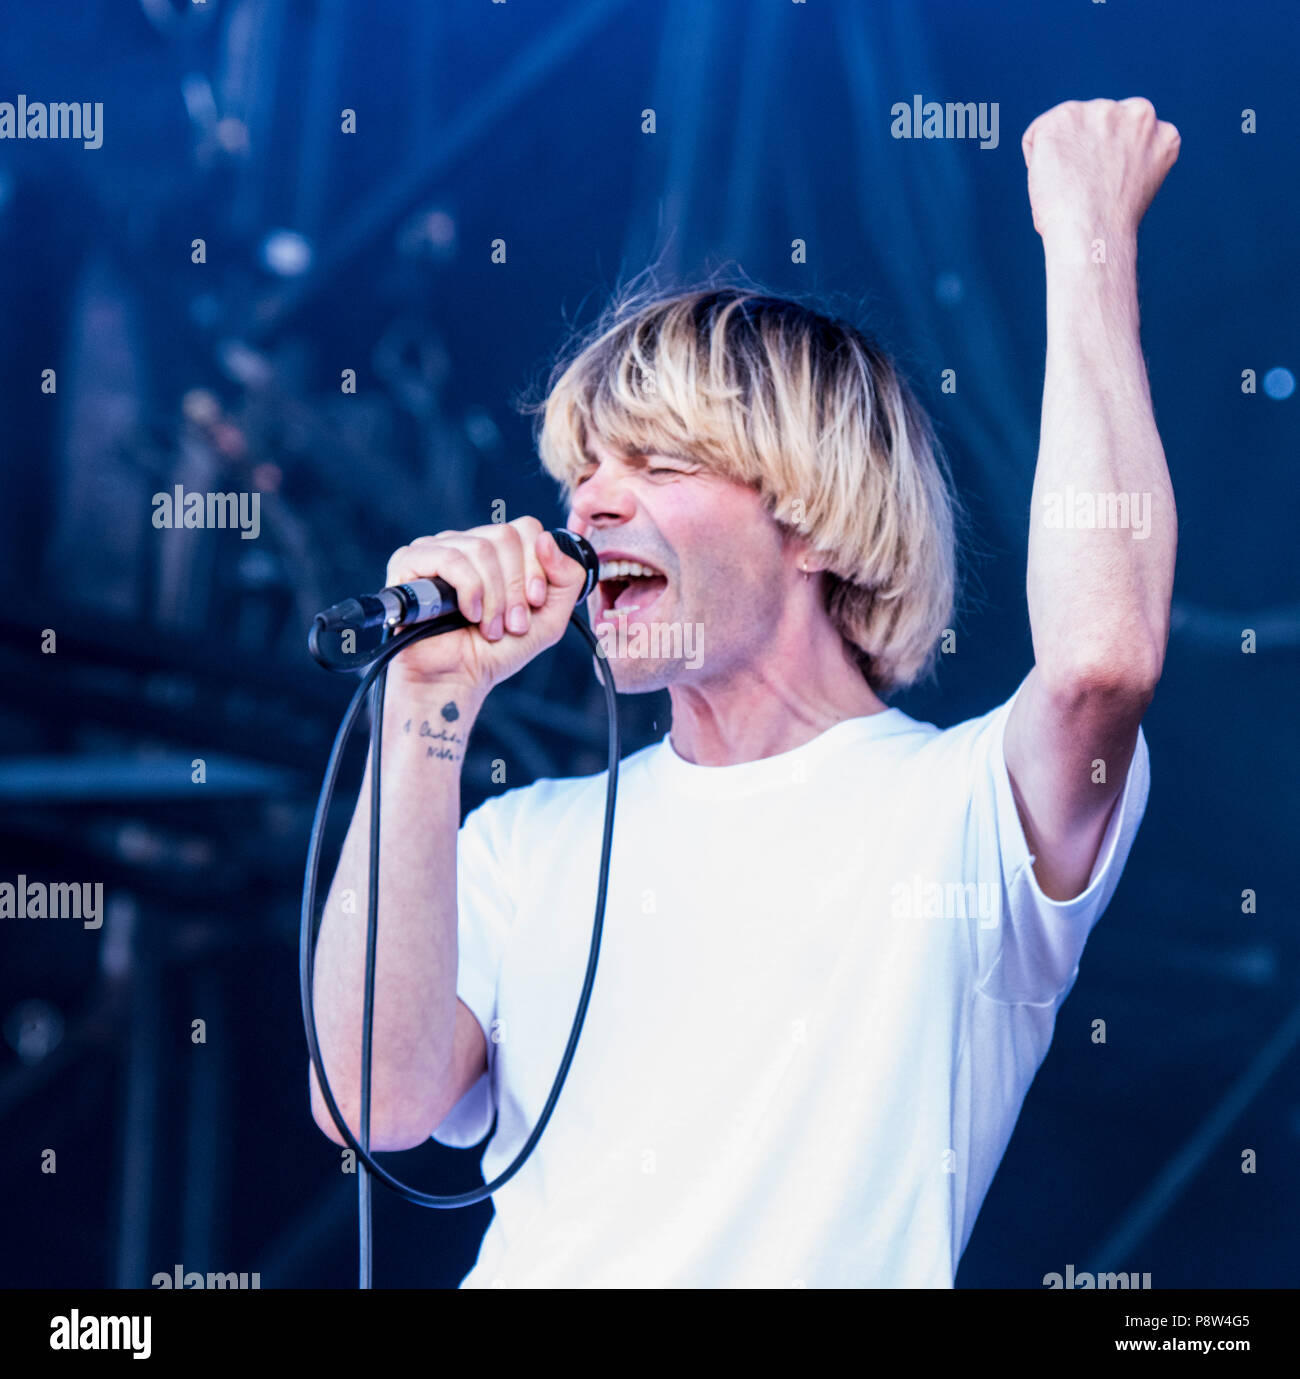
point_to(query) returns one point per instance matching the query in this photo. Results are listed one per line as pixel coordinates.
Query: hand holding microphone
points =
(513, 587)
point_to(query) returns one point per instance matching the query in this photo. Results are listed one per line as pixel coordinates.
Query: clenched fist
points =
(515, 587)
(1094, 166)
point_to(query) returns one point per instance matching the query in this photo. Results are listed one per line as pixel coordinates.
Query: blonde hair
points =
(802, 407)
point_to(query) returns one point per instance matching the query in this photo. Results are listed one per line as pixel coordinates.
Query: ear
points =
(798, 549)
(809, 561)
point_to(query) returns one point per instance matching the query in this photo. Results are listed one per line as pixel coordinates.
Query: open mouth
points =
(627, 585)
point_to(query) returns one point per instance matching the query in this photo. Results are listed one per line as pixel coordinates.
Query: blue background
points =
(523, 121)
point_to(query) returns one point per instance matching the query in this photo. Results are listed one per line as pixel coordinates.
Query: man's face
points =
(719, 563)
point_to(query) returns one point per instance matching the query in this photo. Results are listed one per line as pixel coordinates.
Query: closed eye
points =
(649, 469)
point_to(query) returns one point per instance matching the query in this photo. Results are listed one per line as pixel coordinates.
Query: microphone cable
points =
(372, 684)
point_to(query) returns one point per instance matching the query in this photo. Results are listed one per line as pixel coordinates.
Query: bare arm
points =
(415, 1023)
(1103, 530)
(427, 1048)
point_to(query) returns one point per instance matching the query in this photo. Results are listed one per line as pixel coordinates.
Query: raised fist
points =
(1094, 166)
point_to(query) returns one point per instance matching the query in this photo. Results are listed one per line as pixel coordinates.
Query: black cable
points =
(307, 943)
(365, 1222)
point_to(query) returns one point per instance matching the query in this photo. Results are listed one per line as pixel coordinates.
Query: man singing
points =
(836, 937)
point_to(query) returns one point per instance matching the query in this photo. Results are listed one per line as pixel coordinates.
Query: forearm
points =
(1099, 594)
(416, 955)
(1103, 530)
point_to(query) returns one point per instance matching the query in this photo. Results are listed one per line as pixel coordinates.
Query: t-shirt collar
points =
(769, 773)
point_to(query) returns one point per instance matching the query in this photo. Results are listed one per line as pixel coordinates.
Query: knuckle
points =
(484, 558)
(489, 569)
(510, 540)
(399, 561)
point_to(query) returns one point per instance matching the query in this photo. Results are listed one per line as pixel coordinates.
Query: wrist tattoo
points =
(444, 743)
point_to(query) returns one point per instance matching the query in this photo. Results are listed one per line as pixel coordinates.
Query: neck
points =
(771, 705)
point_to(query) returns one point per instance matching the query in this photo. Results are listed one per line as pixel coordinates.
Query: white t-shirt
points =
(826, 981)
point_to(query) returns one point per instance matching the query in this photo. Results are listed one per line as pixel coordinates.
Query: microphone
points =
(424, 600)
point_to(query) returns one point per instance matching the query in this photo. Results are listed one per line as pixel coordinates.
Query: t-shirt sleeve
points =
(485, 906)
(1029, 953)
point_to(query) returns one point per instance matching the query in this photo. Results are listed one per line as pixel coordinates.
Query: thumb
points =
(566, 574)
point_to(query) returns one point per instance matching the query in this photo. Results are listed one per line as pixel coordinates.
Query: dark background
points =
(522, 121)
